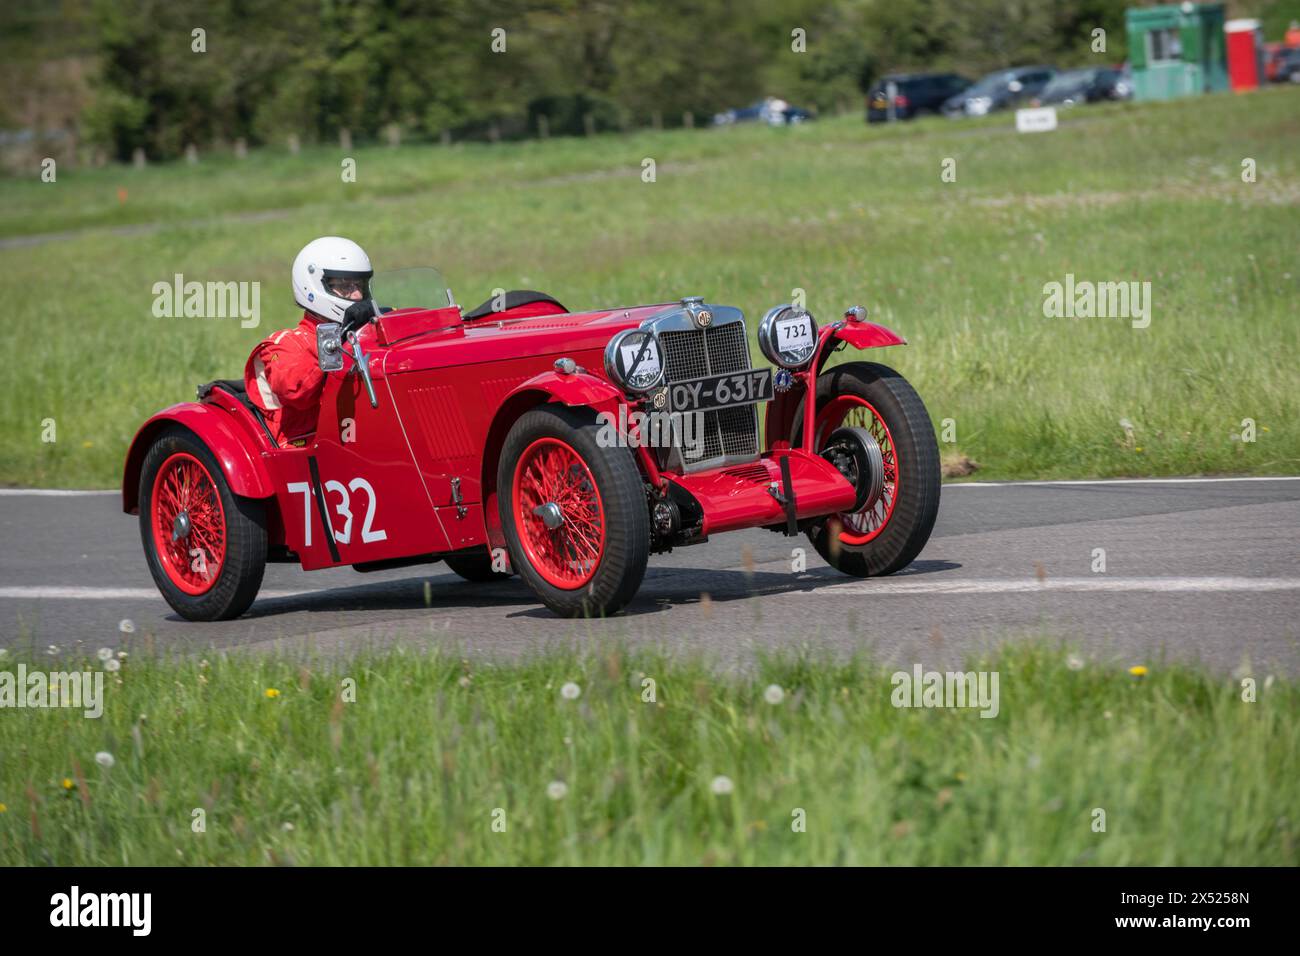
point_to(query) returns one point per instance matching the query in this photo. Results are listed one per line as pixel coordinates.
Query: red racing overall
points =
(283, 378)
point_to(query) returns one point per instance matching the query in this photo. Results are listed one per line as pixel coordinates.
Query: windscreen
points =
(418, 288)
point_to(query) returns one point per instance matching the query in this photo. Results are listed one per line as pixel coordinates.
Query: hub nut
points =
(550, 514)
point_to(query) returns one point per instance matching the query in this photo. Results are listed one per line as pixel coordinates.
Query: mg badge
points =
(703, 318)
(659, 400)
(783, 380)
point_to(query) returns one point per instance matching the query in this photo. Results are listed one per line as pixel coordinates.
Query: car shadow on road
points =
(669, 587)
(927, 567)
(662, 587)
(407, 594)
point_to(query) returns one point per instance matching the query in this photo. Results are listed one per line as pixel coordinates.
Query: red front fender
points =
(581, 389)
(578, 389)
(867, 335)
(779, 421)
(227, 439)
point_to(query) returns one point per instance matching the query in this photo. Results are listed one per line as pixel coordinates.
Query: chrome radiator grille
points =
(731, 434)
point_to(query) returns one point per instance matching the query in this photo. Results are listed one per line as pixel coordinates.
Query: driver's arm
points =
(287, 366)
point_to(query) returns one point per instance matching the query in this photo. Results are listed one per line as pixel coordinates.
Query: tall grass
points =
(847, 213)
(434, 760)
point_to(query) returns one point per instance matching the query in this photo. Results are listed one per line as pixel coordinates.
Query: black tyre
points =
(475, 566)
(205, 545)
(574, 514)
(888, 534)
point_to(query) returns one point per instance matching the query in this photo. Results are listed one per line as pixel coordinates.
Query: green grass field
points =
(416, 769)
(848, 213)
(432, 751)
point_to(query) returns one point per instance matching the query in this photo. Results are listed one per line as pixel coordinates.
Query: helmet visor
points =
(353, 286)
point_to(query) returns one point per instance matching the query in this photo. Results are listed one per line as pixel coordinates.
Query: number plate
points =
(721, 391)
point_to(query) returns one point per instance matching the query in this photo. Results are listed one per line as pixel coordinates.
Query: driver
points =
(283, 376)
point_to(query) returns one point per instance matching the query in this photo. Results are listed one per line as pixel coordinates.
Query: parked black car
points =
(1085, 86)
(1286, 65)
(772, 110)
(915, 93)
(999, 91)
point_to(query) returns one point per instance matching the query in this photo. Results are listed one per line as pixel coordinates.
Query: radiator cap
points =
(694, 306)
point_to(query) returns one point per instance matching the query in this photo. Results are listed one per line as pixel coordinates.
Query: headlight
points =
(632, 361)
(788, 336)
(978, 105)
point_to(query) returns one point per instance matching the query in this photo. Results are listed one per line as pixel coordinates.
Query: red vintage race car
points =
(519, 437)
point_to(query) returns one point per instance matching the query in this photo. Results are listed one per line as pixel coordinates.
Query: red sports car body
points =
(514, 441)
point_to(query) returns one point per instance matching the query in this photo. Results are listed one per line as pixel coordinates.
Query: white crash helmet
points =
(329, 275)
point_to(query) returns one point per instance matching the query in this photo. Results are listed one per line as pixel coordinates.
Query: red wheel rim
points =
(862, 526)
(191, 550)
(550, 472)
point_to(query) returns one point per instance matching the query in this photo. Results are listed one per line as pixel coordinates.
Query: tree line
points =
(159, 75)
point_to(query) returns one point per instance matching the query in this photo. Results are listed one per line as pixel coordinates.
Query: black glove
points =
(358, 314)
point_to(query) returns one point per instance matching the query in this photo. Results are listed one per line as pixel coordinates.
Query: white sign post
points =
(1041, 120)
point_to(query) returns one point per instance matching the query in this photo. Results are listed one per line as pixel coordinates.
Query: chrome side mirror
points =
(329, 346)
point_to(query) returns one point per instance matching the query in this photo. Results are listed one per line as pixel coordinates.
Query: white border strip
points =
(54, 492)
(902, 586)
(76, 493)
(1110, 481)
(919, 585)
(72, 593)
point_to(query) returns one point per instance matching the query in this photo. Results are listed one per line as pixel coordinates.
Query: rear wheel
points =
(206, 546)
(574, 514)
(890, 532)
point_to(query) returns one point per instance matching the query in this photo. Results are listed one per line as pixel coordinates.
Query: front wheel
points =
(887, 534)
(205, 545)
(574, 513)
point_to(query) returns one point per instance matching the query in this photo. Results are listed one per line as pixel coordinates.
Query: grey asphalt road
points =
(1194, 570)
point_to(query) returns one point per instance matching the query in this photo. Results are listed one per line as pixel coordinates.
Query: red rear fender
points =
(229, 440)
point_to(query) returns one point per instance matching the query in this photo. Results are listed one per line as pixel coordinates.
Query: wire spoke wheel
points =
(189, 524)
(573, 512)
(888, 525)
(205, 545)
(858, 528)
(561, 518)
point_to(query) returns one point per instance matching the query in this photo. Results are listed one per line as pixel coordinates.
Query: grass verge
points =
(432, 752)
(849, 214)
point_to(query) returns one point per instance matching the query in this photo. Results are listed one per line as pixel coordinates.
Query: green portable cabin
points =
(1176, 50)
